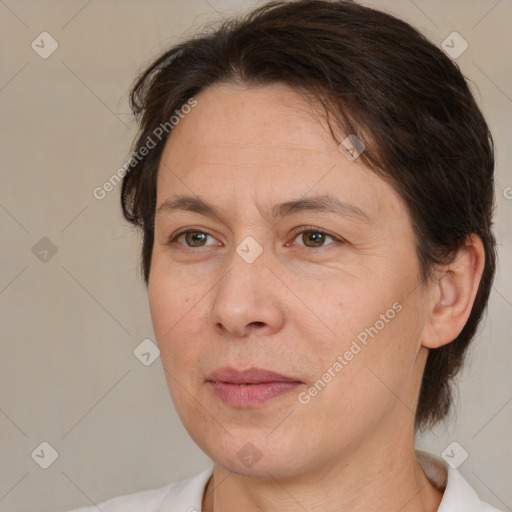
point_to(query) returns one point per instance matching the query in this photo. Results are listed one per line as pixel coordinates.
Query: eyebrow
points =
(322, 204)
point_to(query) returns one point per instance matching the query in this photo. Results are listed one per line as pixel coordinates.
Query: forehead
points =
(237, 118)
(269, 139)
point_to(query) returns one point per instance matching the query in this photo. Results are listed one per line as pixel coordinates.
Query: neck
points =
(382, 475)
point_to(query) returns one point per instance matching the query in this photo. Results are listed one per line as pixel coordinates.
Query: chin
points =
(255, 453)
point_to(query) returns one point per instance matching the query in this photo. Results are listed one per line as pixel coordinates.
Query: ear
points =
(453, 294)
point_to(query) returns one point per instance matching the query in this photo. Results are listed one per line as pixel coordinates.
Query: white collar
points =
(458, 495)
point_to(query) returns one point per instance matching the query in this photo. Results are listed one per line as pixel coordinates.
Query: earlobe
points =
(455, 292)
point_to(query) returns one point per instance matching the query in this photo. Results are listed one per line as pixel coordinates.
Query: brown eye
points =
(195, 238)
(192, 238)
(314, 238)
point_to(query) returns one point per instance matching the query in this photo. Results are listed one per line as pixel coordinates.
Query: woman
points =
(314, 184)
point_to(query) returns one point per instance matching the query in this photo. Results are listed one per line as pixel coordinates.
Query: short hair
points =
(381, 80)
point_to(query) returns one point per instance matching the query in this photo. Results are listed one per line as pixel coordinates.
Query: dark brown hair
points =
(381, 80)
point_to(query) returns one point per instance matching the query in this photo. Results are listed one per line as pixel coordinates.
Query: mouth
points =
(249, 388)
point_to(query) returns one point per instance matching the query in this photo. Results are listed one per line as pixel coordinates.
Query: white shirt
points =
(187, 495)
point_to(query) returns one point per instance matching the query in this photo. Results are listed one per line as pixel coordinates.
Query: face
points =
(289, 334)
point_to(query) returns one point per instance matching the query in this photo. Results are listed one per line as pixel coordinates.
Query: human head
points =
(410, 104)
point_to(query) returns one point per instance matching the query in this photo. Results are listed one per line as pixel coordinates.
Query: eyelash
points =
(305, 229)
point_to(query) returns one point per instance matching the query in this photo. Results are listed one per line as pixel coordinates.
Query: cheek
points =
(385, 369)
(175, 313)
(373, 379)
(167, 307)
(169, 300)
(354, 308)
(160, 304)
(375, 328)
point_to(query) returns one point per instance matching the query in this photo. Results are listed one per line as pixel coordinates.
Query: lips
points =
(249, 388)
(250, 376)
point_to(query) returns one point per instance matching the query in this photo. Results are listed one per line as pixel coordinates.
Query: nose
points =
(247, 300)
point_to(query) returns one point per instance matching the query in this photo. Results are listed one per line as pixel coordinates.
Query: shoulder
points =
(183, 495)
(458, 495)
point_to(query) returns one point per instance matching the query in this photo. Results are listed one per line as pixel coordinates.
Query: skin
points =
(295, 308)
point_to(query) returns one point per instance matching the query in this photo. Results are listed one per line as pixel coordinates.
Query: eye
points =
(193, 238)
(314, 236)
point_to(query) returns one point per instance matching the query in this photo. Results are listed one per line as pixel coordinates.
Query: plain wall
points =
(69, 325)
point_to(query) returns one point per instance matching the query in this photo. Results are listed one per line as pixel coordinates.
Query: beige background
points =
(69, 326)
